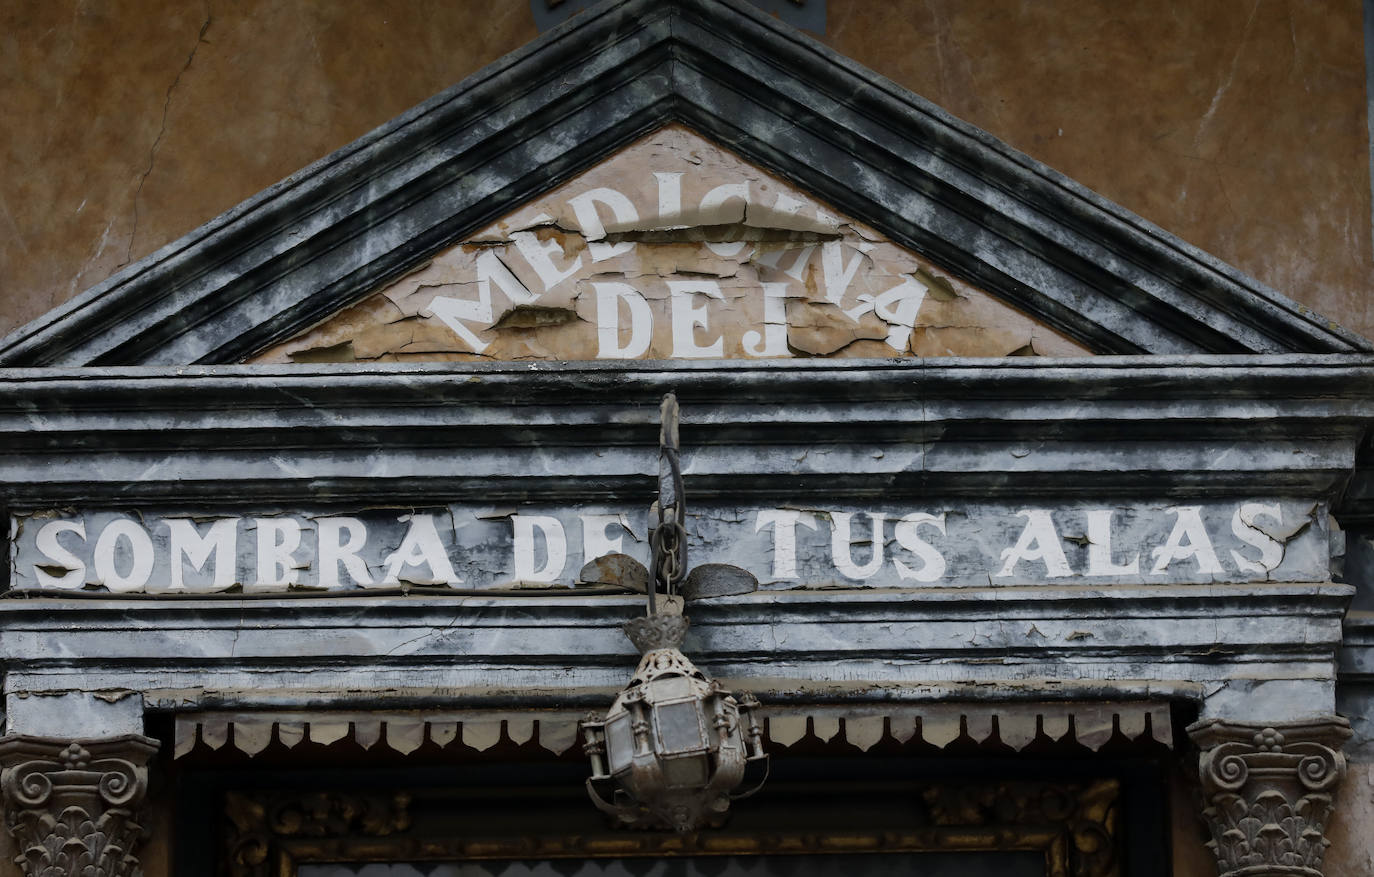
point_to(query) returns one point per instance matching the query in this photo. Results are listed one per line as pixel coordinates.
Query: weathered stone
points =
(1269, 792)
(73, 805)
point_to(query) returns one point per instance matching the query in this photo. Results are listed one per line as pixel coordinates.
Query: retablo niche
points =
(673, 748)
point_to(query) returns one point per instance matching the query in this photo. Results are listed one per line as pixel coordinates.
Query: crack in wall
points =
(162, 129)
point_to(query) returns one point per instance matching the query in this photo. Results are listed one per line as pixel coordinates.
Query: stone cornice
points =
(324, 237)
(1087, 643)
(1177, 427)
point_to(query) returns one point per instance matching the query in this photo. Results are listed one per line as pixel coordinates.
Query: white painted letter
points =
(1243, 525)
(46, 542)
(712, 201)
(1038, 541)
(540, 255)
(1100, 547)
(841, 538)
(278, 539)
(898, 308)
(221, 540)
(784, 523)
(595, 542)
(773, 341)
(688, 315)
(421, 545)
(1187, 524)
(608, 299)
(455, 312)
(140, 551)
(622, 209)
(908, 536)
(669, 197)
(555, 548)
(332, 553)
(835, 274)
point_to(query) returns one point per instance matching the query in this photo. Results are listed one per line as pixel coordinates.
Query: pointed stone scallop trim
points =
(1015, 725)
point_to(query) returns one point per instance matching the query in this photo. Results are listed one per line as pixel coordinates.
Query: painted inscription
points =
(675, 249)
(468, 547)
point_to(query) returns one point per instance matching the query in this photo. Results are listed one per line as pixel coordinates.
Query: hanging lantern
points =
(673, 748)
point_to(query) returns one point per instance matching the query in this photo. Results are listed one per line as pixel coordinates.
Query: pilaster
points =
(1268, 793)
(72, 805)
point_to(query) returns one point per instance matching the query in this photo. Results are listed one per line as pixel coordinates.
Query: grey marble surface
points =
(1055, 434)
(1262, 653)
(1185, 428)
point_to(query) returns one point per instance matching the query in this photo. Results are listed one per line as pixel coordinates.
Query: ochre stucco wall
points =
(1352, 827)
(129, 124)
(1239, 126)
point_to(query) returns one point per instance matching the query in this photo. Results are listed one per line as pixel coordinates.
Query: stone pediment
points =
(674, 248)
(973, 221)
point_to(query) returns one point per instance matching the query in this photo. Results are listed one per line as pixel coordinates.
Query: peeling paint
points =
(673, 249)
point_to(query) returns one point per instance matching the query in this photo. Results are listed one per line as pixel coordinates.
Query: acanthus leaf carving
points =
(1268, 792)
(72, 805)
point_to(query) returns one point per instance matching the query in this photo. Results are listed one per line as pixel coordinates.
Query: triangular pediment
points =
(673, 248)
(1024, 254)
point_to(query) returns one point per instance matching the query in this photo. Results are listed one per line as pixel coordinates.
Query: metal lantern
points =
(673, 747)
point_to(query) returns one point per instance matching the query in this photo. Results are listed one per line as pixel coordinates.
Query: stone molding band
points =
(72, 805)
(1268, 793)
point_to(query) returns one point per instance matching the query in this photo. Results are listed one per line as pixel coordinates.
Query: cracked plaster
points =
(846, 290)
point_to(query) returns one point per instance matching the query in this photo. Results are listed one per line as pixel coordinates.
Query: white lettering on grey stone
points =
(473, 547)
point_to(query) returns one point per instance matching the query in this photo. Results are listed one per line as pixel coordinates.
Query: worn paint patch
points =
(674, 248)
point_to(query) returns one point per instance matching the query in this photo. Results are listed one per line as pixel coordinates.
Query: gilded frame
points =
(1074, 825)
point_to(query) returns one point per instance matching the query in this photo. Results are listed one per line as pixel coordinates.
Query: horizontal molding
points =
(1171, 427)
(1097, 643)
(1357, 648)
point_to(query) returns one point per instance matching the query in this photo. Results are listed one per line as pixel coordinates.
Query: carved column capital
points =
(1268, 791)
(72, 805)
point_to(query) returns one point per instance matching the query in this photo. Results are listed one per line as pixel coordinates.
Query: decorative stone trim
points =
(1268, 792)
(938, 724)
(72, 805)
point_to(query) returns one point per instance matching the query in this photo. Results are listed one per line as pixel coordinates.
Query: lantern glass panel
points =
(672, 688)
(680, 727)
(620, 743)
(691, 771)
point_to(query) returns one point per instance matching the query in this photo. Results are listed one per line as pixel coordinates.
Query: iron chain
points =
(668, 539)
